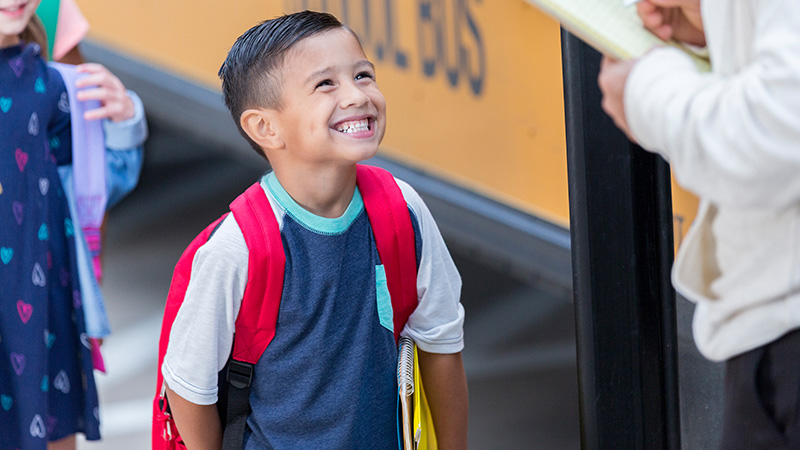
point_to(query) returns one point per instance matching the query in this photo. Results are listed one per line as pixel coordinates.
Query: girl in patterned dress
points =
(47, 388)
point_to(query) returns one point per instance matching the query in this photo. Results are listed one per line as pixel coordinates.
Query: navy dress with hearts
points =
(47, 387)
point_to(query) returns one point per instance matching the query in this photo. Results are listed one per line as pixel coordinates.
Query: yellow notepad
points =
(609, 26)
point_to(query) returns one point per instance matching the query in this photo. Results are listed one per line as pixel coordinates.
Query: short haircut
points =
(250, 77)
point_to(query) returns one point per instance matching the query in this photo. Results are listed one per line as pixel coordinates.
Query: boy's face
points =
(333, 111)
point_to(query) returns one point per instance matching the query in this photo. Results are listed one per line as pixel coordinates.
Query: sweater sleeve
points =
(730, 138)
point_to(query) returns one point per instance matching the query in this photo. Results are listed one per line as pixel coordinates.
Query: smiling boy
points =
(304, 95)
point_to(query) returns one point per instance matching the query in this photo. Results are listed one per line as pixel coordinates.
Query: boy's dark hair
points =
(249, 73)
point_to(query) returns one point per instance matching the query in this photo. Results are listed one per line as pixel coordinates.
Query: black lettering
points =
(393, 37)
(447, 39)
(426, 34)
(472, 54)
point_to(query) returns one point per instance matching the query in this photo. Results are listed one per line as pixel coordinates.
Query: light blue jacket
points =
(124, 157)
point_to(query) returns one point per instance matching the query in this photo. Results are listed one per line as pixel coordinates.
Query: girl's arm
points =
(446, 390)
(199, 425)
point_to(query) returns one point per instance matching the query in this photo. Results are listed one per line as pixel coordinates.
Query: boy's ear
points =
(260, 127)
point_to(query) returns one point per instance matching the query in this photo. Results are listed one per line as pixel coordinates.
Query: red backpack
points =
(255, 325)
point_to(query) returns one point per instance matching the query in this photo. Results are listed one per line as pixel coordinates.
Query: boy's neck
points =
(325, 193)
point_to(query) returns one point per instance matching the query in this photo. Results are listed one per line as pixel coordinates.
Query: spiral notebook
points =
(415, 424)
(609, 26)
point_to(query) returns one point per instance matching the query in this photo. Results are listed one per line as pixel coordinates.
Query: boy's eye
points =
(324, 83)
(363, 75)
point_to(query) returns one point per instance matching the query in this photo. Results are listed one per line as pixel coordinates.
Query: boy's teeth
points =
(354, 126)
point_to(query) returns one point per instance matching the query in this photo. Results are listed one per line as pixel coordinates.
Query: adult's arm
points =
(732, 138)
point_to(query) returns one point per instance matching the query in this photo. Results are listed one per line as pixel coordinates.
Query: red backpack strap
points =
(255, 324)
(177, 288)
(394, 236)
(164, 434)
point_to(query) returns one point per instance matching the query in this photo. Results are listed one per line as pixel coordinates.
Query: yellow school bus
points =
(473, 88)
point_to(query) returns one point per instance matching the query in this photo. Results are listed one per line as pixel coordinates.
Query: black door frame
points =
(622, 252)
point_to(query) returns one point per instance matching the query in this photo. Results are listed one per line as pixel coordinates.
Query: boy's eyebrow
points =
(324, 72)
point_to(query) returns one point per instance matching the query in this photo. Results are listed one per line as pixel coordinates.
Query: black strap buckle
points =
(240, 374)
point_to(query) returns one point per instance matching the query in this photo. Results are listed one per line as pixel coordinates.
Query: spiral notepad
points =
(609, 26)
(405, 389)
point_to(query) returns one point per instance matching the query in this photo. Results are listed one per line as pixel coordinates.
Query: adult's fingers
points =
(675, 3)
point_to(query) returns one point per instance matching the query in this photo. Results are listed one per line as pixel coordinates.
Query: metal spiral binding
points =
(405, 367)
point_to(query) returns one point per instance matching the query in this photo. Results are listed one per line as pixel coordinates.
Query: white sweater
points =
(733, 138)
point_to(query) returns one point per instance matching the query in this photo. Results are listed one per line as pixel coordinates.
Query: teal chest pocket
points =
(385, 314)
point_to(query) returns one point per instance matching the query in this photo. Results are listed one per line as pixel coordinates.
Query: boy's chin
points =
(362, 154)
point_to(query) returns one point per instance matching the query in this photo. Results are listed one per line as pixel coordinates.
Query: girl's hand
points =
(673, 19)
(116, 105)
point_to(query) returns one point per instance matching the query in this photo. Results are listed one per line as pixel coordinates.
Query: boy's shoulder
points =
(229, 237)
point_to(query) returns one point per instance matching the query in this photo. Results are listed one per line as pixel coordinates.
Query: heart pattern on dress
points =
(18, 363)
(33, 125)
(37, 427)
(63, 102)
(5, 104)
(25, 311)
(22, 159)
(62, 382)
(39, 86)
(38, 277)
(43, 234)
(69, 228)
(6, 253)
(44, 185)
(6, 401)
(85, 341)
(18, 212)
(49, 338)
(17, 65)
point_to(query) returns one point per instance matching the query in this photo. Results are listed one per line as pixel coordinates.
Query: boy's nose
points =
(353, 96)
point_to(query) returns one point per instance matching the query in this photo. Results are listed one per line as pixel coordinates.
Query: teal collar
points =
(311, 221)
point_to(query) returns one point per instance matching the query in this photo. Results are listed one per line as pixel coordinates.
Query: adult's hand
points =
(673, 19)
(612, 78)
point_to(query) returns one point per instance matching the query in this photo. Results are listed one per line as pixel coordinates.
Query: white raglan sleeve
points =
(202, 334)
(730, 138)
(437, 325)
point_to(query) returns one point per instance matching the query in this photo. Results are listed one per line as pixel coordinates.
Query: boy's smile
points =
(356, 127)
(332, 110)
